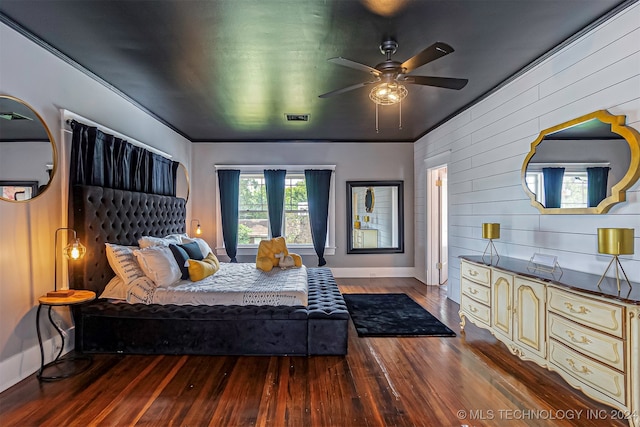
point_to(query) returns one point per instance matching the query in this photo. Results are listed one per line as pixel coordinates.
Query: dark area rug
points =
(392, 315)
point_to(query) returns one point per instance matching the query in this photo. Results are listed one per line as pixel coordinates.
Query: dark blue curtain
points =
(103, 160)
(318, 184)
(275, 181)
(552, 186)
(596, 185)
(229, 183)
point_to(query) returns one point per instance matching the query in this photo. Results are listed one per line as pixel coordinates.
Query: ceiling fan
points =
(391, 74)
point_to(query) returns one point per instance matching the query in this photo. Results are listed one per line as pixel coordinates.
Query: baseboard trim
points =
(26, 363)
(368, 272)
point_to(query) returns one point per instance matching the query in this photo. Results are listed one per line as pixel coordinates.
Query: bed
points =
(103, 215)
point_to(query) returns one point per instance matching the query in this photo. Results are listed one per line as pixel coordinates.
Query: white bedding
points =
(233, 284)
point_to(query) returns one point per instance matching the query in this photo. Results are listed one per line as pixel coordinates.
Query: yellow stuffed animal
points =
(267, 251)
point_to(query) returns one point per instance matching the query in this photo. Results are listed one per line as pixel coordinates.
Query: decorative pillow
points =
(198, 270)
(141, 291)
(149, 241)
(159, 265)
(204, 246)
(267, 250)
(115, 289)
(123, 262)
(181, 257)
(182, 253)
(193, 250)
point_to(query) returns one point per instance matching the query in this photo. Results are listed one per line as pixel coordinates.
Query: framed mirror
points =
(375, 217)
(583, 166)
(183, 186)
(28, 156)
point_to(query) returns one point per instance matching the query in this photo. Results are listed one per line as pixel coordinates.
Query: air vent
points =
(297, 117)
(13, 116)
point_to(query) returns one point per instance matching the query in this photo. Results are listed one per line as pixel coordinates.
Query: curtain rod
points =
(67, 116)
(261, 167)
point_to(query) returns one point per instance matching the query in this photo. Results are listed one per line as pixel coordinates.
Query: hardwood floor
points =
(421, 381)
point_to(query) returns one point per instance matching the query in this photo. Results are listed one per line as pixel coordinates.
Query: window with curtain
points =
(574, 188)
(253, 212)
(253, 218)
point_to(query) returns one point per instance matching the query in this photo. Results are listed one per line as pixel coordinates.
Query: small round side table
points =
(78, 297)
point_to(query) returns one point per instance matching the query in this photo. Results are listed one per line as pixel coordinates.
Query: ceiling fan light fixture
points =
(388, 93)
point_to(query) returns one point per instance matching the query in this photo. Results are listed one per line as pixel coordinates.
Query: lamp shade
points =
(74, 250)
(490, 230)
(615, 241)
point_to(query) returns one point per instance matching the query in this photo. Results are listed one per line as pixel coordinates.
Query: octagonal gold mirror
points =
(583, 166)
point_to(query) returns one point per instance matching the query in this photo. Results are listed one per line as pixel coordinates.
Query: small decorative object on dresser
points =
(589, 336)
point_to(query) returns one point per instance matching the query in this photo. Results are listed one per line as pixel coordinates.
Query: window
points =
(574, 188)
(253, 213)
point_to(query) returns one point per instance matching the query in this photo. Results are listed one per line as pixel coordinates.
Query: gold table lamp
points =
(490, 231)
(615, 241)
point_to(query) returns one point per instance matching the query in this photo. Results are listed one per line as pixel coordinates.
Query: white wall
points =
(47, 83)
(489, 141)
(354, 162)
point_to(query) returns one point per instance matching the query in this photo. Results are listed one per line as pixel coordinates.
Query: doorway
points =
(437, 226)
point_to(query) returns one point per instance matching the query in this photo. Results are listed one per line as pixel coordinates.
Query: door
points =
(501, 297)
(437, 227)
(529, 314)
(443, 245)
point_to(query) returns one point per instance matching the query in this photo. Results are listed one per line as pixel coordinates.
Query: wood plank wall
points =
(486, 145)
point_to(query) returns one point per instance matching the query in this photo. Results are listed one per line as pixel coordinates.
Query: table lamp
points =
(490, 231)
(73, 251)
(615, 241)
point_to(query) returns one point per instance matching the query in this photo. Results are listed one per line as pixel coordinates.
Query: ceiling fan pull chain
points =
(400, 121)
(377, 119)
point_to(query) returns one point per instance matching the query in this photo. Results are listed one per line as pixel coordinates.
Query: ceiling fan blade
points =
(355, 65)
(433, 52)
(445, 82)
(347, 89)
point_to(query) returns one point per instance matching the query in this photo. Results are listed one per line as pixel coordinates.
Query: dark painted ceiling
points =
(229, 70)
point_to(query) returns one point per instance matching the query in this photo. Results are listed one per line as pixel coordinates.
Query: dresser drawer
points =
(599, 315)
(474, 309)
(594, 374)
(477, 273)
(602, 347)
(476, 291)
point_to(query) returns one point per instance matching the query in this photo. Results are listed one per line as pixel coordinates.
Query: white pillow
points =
(204, 246)
(115, 289)
(123, 262)
(159, 265)
(149, 241)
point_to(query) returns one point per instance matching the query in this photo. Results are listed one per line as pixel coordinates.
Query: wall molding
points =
(26, 363)
(370, 273)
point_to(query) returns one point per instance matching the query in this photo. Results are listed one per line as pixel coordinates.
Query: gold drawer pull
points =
(581, 310)
(584, 369)
(473, 273)
(583, 340)
(473, 309)
(472, 291)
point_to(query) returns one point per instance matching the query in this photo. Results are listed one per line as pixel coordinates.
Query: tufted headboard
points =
(104, 215)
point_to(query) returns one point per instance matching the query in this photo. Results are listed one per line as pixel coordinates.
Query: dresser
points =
(590, 336)
(365, 238)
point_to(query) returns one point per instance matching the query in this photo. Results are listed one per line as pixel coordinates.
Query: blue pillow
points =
(182, 253)
(193, 250)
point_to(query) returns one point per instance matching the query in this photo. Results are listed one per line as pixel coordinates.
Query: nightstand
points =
(78, 297)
